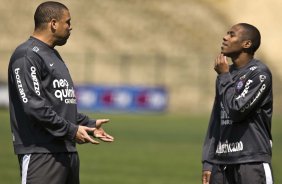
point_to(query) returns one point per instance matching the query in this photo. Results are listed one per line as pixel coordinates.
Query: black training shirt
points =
(43, 110)
(240, 125)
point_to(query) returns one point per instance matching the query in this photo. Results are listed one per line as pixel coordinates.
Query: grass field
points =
(148, 149)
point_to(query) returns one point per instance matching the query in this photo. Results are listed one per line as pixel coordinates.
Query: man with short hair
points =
(238, 143)
(43, 111)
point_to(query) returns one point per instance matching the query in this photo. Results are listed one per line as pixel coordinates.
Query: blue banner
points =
(121, 98)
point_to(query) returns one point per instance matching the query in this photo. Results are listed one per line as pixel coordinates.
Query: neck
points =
(44, 37)
(242, 60)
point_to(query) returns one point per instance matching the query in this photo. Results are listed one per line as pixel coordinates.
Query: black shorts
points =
(47, 168)
(249, 173)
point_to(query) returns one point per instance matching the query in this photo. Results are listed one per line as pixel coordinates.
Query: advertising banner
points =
(121, 98)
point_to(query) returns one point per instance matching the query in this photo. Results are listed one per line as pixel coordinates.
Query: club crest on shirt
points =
(240, 84)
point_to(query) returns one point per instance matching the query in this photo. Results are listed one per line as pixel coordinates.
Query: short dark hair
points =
(47, 11)
(253, 34)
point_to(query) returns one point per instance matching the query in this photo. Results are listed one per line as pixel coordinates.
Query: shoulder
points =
(30, 51)
(257, 66)
(24, 50)
(255, 71)
(259, 72)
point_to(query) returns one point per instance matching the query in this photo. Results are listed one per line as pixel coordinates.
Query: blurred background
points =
(160, 53)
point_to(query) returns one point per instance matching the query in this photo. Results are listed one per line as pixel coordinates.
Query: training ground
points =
(148, 149)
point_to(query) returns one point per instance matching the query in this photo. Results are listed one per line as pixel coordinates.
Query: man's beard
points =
(62, 41)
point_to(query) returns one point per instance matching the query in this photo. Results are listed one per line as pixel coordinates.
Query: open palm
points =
(100, 133)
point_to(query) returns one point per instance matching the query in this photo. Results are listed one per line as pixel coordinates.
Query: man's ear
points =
(54, 25)
(247, 44)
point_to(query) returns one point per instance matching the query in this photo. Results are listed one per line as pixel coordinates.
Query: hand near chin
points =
(221, 64)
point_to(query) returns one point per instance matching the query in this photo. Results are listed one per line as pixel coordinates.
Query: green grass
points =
(151, 149)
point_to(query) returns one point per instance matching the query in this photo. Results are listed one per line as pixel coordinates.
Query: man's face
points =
(233, 41)
(63, 28)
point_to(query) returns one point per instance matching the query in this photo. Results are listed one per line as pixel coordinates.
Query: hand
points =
(100, 133)
(221, 65)
(206, 177)
(82, 135)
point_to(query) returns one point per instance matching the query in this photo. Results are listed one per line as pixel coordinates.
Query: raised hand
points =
(100, 133)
